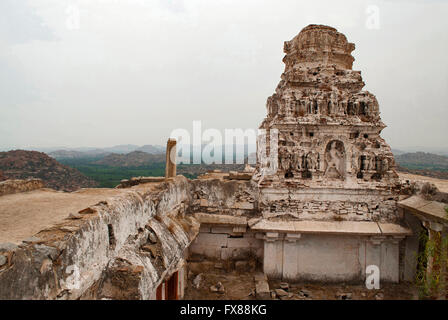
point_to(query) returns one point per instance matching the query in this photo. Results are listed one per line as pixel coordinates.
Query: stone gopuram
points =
(333, 174)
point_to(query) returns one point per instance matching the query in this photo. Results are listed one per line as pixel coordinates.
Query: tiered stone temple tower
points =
(332, 161)
(335, 174)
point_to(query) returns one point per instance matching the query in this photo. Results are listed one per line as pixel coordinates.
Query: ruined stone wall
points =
(228, 197)
(222, 243)
(122, 248)
(17, 186)
(329, 205)
(222, 238)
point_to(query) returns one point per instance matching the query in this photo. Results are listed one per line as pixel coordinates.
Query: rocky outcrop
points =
(127, 183)
(16, 186)
(21, 164)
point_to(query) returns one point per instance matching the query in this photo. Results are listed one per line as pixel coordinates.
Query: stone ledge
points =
(139, 180)
(392, 229)
(364, 228)
(431, 210)
(220, 219)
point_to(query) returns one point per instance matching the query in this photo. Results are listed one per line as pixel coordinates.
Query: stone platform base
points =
(307, 250)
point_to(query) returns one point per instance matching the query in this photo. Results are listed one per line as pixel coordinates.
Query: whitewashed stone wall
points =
(329, 258)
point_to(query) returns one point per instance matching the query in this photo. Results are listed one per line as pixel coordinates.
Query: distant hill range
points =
(72, 154)
(441, 151)
(397, 152)
(105, 168)
(143, 159)
(423, 163)
(108, 170)
(78, 153)
(132, 159)
(21, 164)
(432, 161)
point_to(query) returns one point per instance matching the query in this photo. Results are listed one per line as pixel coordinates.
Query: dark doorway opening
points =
(168, 290)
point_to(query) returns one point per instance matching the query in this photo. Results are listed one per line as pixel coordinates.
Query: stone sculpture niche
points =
(335, 160)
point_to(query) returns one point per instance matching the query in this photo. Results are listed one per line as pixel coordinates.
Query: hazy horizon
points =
(252, 148)
(102, 73)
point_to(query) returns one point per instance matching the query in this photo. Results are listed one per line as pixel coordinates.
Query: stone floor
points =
(24, 214)
(238, 286)
(441, 184)
(241, 286)
(308, 291)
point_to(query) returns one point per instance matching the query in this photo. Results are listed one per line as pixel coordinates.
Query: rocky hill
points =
(423, 158)
(98, 153)
(422, 163)
(425, 172)
(153, 149)
(141, 159)
(21, 164)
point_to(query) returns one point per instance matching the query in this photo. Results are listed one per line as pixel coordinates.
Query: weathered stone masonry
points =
(138, 237)
(327, 212)
(329, 209)
(126, 246)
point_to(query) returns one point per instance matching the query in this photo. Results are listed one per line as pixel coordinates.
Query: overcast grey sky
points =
(131, 71)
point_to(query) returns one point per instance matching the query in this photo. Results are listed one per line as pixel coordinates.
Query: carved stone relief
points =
(335, 160)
